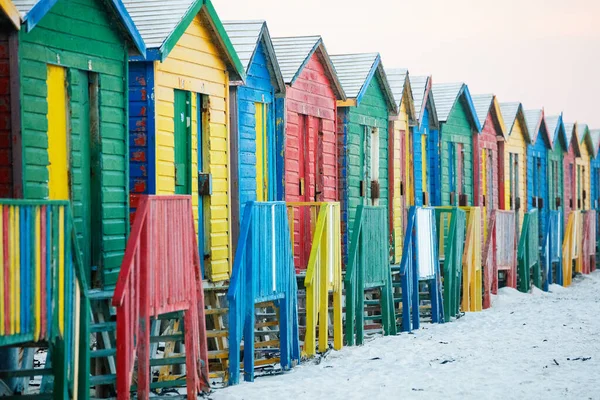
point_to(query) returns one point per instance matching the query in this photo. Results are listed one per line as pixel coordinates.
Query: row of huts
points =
(103, 102)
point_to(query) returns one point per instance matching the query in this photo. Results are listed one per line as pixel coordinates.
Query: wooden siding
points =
(569, 174)
(355, 124)
(141, 132)
(540, 175)
(555, 183)
(595, 183)
(583, 187)
(516, 144)
(488, 140)
(80, 35)
(258, 89)
(457, 130)
(423, 160)
(310, 99)
(399, 126)
(196, 65)
(6, 161)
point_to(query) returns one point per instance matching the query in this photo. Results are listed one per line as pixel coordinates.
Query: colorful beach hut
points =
(458, 123)
(537, 165)
(513, 184)
(363, 135)
(425, 138)
(179, 118)
(307, 124)
(583, 163)
(254, 151)
(493, 131)
(556, 130)
(70, 141)
(400, 157)
(595, 170)
(569, 169)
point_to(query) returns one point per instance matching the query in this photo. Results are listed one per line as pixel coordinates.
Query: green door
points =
(183, 129)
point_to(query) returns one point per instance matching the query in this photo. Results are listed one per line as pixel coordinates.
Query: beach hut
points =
(458, 123)
(513, 159)
(537, 165)
(556, 130)
(179, 118)
(595, 170)
(9, 27)
(569, 171)
(400, 157)
(70, 142)
(587, 151)
(425, 138)
(254, 150)
(493, 131)
(307, 120)
(363, 135)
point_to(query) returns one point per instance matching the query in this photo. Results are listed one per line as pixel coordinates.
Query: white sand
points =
(508, 352)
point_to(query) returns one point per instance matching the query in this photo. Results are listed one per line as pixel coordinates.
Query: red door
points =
(302, 242)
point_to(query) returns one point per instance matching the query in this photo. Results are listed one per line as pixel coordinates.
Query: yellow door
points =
(58, 160)
(262, 154)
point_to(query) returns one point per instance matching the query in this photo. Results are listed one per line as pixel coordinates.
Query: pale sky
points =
(543, 53)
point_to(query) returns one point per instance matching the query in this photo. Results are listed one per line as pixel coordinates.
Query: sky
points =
(543, 53)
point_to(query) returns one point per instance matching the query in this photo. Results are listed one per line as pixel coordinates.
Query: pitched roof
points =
(246, 36)
(446, 95)
(32, 12)
(571, 132)
(293, 53)
(9, 9)
(511, 112)
(400, 84)
(555, 128)
(485, 104)
(162, 23)
(356, 71)
(422, 97)
(583, 135)
(595, 135)
(536, 123)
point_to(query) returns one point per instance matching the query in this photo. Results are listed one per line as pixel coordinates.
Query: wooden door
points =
(182, 142)
(58, 147)
(203, 173)
(305, 171)
(262, 153)
(452, 174)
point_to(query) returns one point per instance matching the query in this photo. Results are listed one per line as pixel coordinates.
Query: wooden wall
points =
(196, 64)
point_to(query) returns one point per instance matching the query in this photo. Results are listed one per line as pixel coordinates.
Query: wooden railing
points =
(499, 253)
(323, 275)
(43, 288)
(528, 253)
(451, 227)
(368, 267)
(160, 273)
(263, 270)
(571, 246)
(552, 249)
(587, 256)
(420, 262)
(472, 278)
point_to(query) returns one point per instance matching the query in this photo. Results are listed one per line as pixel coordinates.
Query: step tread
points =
(98, 294)
(96, 380)
(175, 337)
(218, 354)
(99, 353)
(215, 311)
(97, 327)
(23, 373)
(217, 333)
(173, 360)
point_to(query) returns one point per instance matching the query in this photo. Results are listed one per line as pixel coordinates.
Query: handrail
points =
(324, 274)
(528, 253)
(263, 270)
(41, 299)
(412, 260)
(452, 252)
(160, 274)
(472, 262)
(368, 272)
(489, 262)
